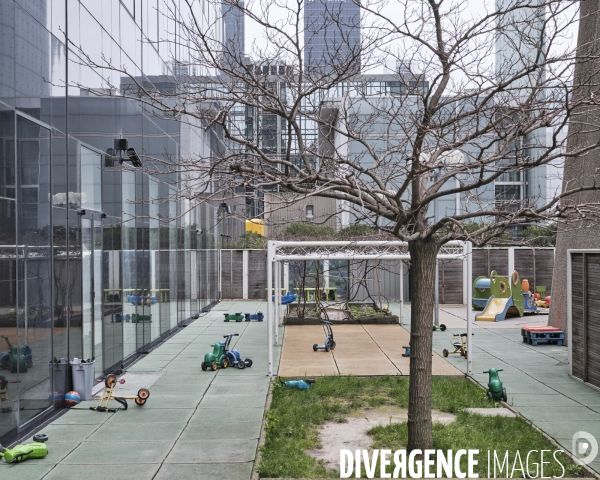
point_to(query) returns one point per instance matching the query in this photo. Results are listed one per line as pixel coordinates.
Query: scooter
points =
(329, 343)
(17, 358)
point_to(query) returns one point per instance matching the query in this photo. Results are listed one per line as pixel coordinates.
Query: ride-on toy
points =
(259, 317)
(406, 351)
(441, 328)
(20, 453)
(495, 389)
(17, 357)
(222, 357)
(237, 317)
(110, 382)
(329, 344)
(459, 342)
(299, 384)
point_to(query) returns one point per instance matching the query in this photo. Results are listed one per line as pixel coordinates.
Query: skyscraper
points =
(233, 34)
(331, 35)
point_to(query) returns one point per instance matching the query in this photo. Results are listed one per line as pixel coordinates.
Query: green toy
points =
(238, 317)
(495, 389)
(20, 453)
(218, 357)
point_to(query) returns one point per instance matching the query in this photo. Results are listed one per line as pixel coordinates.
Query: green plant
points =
(300, 229)
(540, 235)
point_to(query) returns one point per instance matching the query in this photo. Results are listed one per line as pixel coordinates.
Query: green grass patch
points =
(294, 417)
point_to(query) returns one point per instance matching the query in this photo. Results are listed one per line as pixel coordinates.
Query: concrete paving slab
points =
(213, 451)
(116, 453)
(67, 433)
(138, 432)
(237, 430)
(245, 400)
(228, 415)
(82, 416)
(204, 471)
(24, 471)
(149, 415)
(95, 472)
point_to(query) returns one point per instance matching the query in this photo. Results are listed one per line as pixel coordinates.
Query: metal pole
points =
(270, 308)
(25, 292)
(276, 302)
(468, 248)
(436, 311)
(401, 292)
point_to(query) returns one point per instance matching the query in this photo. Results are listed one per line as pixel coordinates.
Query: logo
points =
(584, 447)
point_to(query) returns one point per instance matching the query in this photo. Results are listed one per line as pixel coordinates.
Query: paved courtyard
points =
(196, 425)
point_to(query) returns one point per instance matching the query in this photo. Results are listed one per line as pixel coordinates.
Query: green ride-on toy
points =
(237, 317)
(223, 357)
(20, 453)
(18, 358)
(495, 389)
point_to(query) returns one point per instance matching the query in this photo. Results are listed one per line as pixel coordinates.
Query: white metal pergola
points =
(283, 252)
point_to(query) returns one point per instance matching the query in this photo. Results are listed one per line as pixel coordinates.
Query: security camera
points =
(133, 158)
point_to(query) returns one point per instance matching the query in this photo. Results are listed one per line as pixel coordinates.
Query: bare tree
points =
(459, 125)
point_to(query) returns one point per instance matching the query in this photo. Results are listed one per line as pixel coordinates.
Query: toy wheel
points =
(40, 437)
(445, 352)
(443, 327)
(214, 366)
(248, 362)
(332, 345)
(464, 354)
(111, 380)
(241, 364)
(140, 401)
(327, 347)
(490, 396)
(203, 367)
(29, 363)
(504, 397)
(315, 347)
(224, 363)
(5, 362)
(143, 393)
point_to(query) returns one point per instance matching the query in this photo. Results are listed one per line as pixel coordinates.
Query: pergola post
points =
(270, 248)
(276, 303)
(401, 292)
(469, 253)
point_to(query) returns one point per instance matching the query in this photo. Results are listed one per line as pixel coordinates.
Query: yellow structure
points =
(256, 225)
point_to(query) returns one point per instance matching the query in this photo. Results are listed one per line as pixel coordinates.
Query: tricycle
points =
(222, 357)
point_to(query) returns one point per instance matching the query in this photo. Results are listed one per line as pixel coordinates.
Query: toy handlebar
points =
(230, 335)
(498, 370)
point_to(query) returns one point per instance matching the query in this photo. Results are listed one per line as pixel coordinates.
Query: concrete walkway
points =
(196, 425)
(536, 378)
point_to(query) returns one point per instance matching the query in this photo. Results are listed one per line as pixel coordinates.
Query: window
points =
(310, 213)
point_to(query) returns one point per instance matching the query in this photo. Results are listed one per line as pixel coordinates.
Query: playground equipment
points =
(459, 342)
(299, 384)
(17, 358)
(495, 389)
(329, 343)
(236, 317)
(441, 328)
(498, 296)
(287, 298)
(141, 299)
(110, 382)
(222, 357)
(259, 317)
(20, 453)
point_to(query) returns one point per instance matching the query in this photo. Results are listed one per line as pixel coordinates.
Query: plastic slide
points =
(495, 310)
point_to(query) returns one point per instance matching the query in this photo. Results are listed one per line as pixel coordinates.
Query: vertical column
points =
(245, 273)
(277, 269)
(436, 311)
(326, 273)
(511, 261)
(468, 249)
(270, 308)
(286, 276)
(401, 317)
(466, 280)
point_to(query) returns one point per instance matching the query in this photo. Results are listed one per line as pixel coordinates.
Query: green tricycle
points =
(20, 453)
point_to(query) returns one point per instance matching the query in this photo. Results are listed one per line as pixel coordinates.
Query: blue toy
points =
(495, 389)
(259, 317)
(287, 298)
(299, 384)
(17, 358)
(141, 299)
(234, 357)
(406, 351)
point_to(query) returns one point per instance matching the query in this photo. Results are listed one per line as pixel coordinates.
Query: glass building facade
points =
(96, 262)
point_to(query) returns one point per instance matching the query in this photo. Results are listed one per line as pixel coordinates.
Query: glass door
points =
(92, 293)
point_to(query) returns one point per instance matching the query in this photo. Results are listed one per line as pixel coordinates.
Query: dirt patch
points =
(351, 432)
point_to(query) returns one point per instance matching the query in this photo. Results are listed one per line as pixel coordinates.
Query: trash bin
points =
(83, 377)
(59, 371)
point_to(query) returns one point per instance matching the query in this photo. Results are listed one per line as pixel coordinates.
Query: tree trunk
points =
(422, 258)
